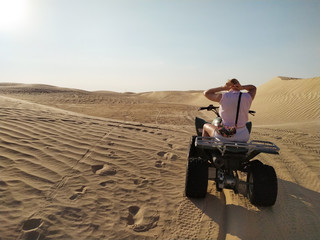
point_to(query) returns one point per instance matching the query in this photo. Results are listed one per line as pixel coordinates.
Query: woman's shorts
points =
(242, 135)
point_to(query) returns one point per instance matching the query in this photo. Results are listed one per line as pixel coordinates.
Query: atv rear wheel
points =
(262, 185)
(196, 178)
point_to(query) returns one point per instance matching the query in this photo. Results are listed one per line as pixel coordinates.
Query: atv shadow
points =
(213, 206)
(295, 215)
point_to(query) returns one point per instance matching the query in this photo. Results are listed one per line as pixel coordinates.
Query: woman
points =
(228, 109)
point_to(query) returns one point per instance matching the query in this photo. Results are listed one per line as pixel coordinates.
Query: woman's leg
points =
(208, 130)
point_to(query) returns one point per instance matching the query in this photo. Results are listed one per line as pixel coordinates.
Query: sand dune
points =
(101, 173)
(287, 100)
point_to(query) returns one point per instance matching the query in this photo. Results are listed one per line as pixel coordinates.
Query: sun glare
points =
(13, 14)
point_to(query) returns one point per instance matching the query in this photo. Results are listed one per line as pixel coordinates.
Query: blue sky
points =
(154, 45)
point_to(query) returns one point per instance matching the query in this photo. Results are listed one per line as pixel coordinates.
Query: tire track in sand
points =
(201, 218)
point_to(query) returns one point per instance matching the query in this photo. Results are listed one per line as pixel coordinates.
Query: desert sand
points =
(105, 165)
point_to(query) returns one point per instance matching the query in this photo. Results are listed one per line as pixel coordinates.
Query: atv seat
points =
(199, 122)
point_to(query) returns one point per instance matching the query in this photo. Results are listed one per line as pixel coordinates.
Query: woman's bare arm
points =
(213, 93)
(252, 90)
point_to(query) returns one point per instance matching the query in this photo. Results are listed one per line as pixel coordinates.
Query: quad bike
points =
(226, 159)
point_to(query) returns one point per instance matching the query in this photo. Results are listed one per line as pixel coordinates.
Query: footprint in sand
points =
(168, 156)
(141, 182)
(95, 168)
(78, 193)
(106, 183)
(167, 140)
(30, 228)
(160, 164)
(171, 156)
(32, 224)
(142, 219)
(103, 170)
(72, 214)
(161, 154)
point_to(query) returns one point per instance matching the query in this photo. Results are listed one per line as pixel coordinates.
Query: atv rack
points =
(237, 147)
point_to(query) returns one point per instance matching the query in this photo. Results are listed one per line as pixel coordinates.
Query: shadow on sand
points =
(295, 215)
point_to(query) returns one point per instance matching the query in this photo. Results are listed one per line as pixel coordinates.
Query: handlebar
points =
(213, 108)
(252, 112)
(209, 108)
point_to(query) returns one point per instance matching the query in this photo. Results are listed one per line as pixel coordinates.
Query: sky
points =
(157, 45)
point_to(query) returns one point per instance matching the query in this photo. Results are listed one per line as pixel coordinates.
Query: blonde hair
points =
(233, 81)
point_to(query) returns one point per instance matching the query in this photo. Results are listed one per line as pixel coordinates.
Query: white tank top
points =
(228, 108)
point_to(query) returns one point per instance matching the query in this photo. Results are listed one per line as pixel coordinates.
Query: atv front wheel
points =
(196, 178)
(262, 185)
